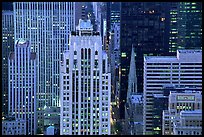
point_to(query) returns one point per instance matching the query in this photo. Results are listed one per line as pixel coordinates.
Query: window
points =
(75, 52)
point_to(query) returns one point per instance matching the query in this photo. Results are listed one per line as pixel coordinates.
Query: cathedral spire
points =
(132, 78)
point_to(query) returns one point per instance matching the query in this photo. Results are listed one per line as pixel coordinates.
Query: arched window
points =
(96, 52)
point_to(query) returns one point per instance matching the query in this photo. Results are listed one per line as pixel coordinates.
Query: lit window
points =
(123, 54)
(162, 19)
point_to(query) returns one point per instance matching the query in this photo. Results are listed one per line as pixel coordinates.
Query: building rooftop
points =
(51, 127)
(182, 55)
(136, 99)
(191, 113)
(159, 96)
(161, 58)
(190, 51)
(85, 25)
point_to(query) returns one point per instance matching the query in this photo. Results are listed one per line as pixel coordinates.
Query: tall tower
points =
(7, 47)
(85, 85)
(22, 85)
(186, 26)
(143, 26)
(47, 26)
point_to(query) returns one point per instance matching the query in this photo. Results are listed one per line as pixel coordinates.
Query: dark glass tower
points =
(144, 26)
(186, 26)
(112, 16)
(160, 103)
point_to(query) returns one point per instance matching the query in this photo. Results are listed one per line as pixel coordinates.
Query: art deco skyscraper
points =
(22, 85)
(85, 85)
(47, 26)
(7, 47)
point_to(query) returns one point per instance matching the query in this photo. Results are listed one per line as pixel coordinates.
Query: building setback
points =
(85, 85)
(22, 85)
(164, 70)
(7, 47)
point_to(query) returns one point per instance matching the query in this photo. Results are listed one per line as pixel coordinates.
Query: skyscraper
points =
(143, 25)
(23, 85)
(113, 14)
(85, 85)
(47, 26)
(7, 47)
(160, 71)
(186, 25)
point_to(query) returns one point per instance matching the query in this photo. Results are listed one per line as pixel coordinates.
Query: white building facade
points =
(22, 85)
(184, 70)
(190, 123)
(85, 85)
(182, 116)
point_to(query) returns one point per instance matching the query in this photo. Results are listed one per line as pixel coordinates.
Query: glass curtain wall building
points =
(186, 26)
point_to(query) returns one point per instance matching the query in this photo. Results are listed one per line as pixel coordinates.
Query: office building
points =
(190, 123)
(47, 26)
(7, 47)
(114, 13)
(112, 16)
(12, 126)
(114, 59)
(173, 32)
(144, 26)
(23, 85)
(52, 119)
(116, 56)
(183, 116)
(164, 70)
(185, 26)
(190, 22)
(80, 11)
(85, 85)
(160, 103)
